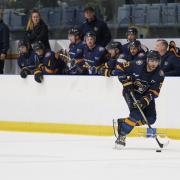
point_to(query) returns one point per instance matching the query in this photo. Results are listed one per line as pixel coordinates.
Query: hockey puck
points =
(158, 150)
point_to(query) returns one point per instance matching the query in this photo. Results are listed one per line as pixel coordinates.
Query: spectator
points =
(37, 30)
(4, 41)
(174, 49)
(99, 27)
(170, 64)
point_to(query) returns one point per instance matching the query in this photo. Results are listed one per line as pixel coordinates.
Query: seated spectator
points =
(4, 41)
(170, 64)
(99, 27)
(37, 30)
(173, 49)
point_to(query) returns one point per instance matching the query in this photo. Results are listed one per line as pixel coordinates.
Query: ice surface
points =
(26, 156)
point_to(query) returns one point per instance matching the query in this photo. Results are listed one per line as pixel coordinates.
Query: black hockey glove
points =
(38, 76)
(143, 102)
(128, 86)
(24, 72)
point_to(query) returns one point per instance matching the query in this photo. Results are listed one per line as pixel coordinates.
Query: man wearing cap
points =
(99, 27)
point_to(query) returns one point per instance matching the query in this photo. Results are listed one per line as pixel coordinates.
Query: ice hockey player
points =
(115, 56)
(94, 56)
(25, 60)
(135, 52)
(131, 34)
(50, 62)
(144, 79)
(75, 51)
(170, 64)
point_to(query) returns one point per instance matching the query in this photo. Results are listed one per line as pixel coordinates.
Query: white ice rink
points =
(26, 156)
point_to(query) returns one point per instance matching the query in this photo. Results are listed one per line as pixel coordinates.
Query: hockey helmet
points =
(136, 44)
(132, 31)
(75, 32)
(91, 34)
(152, 54)
(114, 45)
(38, 45)
(23, 43)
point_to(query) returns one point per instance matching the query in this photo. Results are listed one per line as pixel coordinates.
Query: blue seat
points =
(169, 14)
(153, 15)
(139, 14)
(124, 16)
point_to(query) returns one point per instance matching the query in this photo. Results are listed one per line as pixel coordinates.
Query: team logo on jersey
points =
(95, 28)
(79, 50)
(166, 63)
(96, 58)
(101, 49)
(47, 54)
(139, 62)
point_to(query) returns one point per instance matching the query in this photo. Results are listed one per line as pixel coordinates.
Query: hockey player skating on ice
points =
(144, 79)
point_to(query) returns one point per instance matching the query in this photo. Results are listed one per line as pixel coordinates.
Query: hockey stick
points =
(161, 145)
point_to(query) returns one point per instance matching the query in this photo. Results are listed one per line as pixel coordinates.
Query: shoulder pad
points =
(161, 73)
(48, 54)
(141, 54)
(121, 60)
(101, 49)
(139, 62)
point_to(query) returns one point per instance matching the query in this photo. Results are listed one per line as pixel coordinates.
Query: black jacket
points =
(39, 33)
(4, 37)
(100, 28)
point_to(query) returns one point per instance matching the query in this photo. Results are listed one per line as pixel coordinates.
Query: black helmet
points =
(136, 44)
(89, 8)
(75, 32)
(152, 54)
(38, 45)
(23, 43)
(132, 31)
(114, 45)
(91, 34)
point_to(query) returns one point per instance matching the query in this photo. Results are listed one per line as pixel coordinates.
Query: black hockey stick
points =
(161, 145)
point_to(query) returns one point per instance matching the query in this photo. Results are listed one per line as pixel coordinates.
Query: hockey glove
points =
(143, 102)
(128, 86)
(24, 72)
(38, 76)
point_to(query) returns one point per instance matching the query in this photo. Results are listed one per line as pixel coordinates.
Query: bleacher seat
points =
(153, 15)
(169, 14)
(55, 17)
(124, 16)
(69, 16)
(139, 13)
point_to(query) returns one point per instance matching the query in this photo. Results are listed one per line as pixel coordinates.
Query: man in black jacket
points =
(4, 41)
(99, 27)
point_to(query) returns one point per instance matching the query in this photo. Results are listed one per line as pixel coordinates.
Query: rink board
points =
(78, 105)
